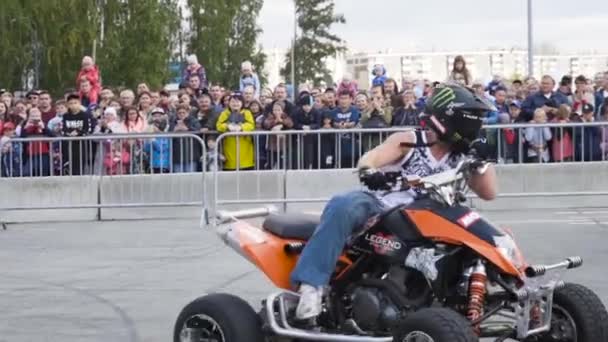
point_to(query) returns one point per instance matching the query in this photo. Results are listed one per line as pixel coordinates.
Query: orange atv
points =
(432, 271)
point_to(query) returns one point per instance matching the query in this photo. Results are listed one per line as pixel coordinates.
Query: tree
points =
(15, 39)
(223, 35)
(242, 43)
(139, 39)
(315, 42)
(45, 41)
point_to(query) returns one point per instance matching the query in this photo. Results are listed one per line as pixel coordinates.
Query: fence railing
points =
(101, 171)
(264, 158)
(108, 164)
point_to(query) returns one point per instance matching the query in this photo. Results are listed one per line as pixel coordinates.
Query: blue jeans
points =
(37, 166)
(343, 215)
(184, 167)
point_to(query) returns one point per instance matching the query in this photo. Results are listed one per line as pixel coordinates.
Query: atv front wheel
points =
(578, 315)
(218, 317)
(435, 325)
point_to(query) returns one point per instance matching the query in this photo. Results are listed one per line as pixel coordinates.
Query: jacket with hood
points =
(379, 79)
(250, 80)
(245, 158)
(159, 151)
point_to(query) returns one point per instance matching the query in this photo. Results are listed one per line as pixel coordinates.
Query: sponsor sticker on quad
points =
(469, 219)
(383, 244)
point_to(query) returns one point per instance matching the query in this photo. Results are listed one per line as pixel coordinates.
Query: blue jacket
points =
(599, 101)
(159, 150)
(535, 101)
(379, 80)
(252, 80)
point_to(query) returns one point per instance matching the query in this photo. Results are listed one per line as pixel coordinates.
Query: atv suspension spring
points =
(477, 294)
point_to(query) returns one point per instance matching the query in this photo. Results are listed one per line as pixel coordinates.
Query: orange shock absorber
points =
(477, 293)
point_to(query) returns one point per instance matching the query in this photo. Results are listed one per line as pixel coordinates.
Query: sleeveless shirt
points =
(420, 162)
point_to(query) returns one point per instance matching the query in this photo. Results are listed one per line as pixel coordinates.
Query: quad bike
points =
(432, 271)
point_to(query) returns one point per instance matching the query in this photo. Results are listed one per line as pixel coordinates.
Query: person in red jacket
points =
(37, 161)
(117, 160)
(90, 72)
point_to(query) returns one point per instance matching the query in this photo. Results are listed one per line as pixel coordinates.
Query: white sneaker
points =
(311, 302)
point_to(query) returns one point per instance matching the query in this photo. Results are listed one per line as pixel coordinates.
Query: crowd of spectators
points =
(207, 109)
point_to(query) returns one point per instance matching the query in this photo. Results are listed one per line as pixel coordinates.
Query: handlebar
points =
(448, 186)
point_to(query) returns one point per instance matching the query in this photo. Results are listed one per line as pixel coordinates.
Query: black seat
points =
(292, 226)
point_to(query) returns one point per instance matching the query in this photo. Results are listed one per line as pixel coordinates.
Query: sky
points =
(406, 25)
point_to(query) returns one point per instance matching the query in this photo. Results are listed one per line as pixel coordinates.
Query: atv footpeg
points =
(279, 324)
(539, 270)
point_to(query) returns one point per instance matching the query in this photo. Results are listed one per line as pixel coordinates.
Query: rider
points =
(454, 115)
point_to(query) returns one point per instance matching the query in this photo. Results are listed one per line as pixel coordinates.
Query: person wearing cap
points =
(587, 139)
(158, 148)
(238, 150)
(185, 153)
(32, 98)
(307, 118)
(510, 136)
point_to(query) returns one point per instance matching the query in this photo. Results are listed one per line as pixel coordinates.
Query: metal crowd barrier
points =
(103, 171)
(266, 157)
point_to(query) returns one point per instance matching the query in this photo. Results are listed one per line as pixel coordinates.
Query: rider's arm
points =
(484, 185)
(388, 152)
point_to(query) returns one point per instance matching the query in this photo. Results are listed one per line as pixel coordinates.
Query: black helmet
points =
(456, 114)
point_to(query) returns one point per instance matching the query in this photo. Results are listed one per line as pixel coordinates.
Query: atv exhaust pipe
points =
(539, 270)
(287, 331)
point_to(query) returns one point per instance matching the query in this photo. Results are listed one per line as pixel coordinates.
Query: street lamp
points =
(530, 42)
(293, 49)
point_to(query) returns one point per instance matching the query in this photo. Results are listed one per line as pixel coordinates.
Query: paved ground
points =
(127, 281)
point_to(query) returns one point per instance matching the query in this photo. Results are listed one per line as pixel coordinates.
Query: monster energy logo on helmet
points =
(443, 97)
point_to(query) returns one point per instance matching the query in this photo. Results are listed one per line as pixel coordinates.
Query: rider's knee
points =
(347, 200)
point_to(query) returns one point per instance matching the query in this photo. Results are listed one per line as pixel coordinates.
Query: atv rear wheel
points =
(218, 318)
(435, 325)
(578, 315)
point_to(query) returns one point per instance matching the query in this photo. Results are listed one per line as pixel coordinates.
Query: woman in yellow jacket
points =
(236, 119)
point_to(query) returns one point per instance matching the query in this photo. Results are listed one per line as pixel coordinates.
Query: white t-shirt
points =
(418, 162)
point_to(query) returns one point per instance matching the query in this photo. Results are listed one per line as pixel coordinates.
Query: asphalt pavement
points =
(126, 281)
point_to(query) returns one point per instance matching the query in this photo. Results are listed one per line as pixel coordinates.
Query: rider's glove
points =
(373, 179)
(481, 150)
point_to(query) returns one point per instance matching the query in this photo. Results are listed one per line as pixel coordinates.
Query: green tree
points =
(223, 35)
(242, 43)
(15, 39)
(315, 42)
(43, 41)
(139, 39)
